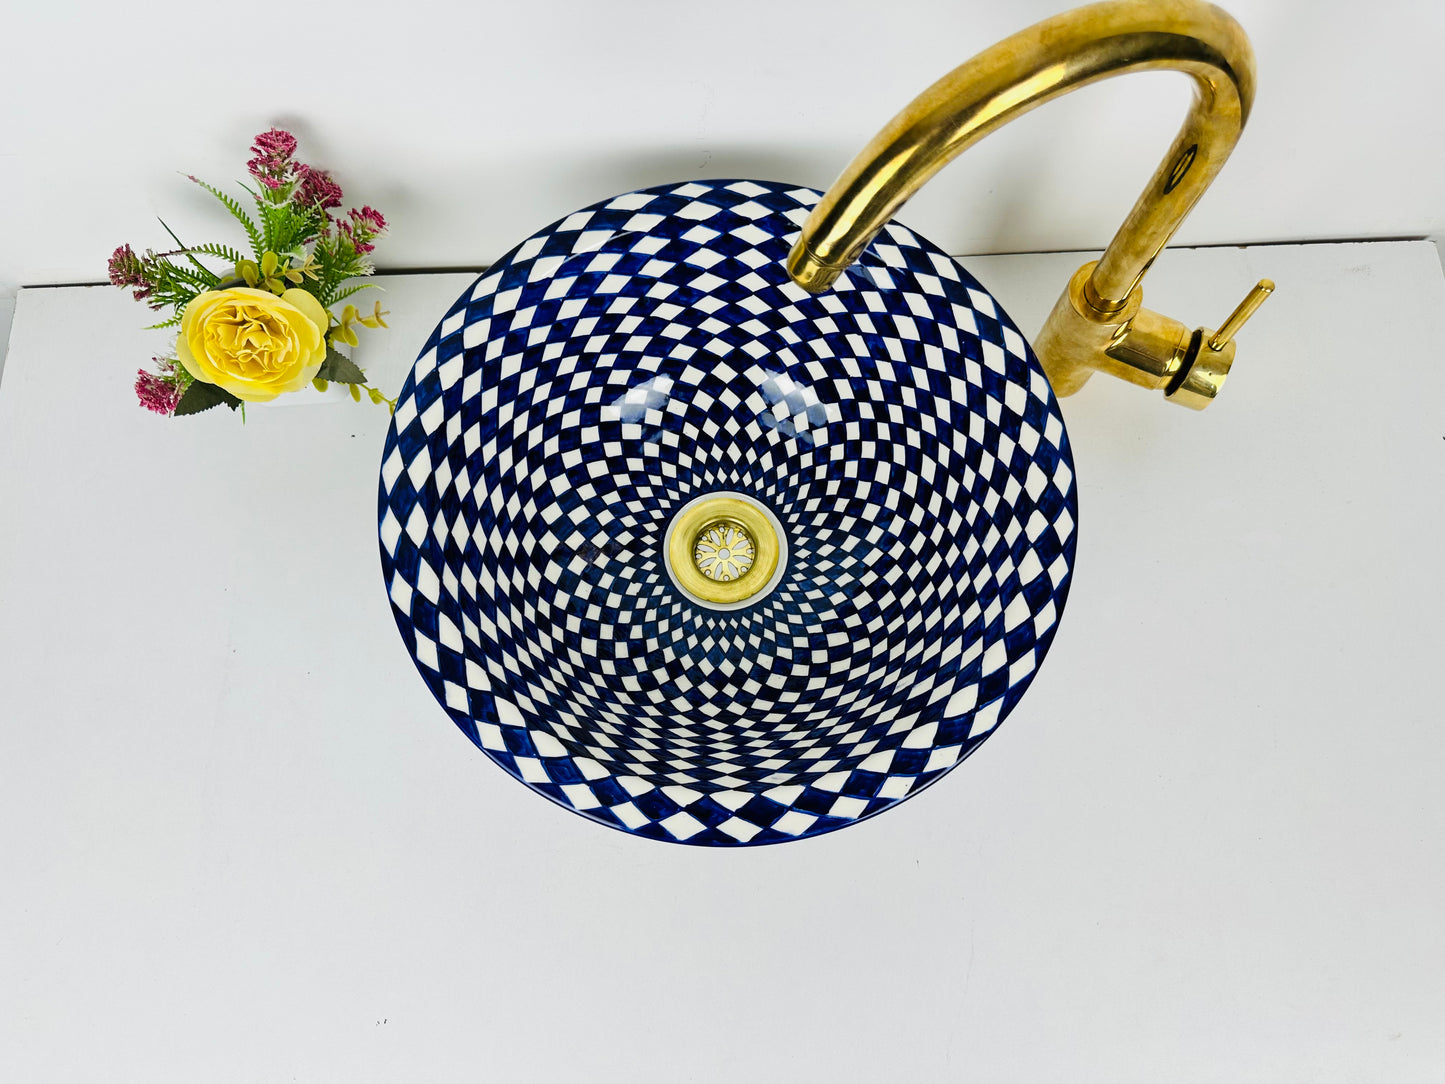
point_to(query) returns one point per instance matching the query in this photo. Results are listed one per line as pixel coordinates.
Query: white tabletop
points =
(240, 842)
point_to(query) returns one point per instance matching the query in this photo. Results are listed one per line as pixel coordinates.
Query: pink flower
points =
(277, 142)
(373, 219)
(362, 227)
(315, 188)
(272, 162)
(157, 393)
(128, 269)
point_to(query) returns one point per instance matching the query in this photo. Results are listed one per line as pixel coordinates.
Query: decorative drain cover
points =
(706, 558)
(725, 550)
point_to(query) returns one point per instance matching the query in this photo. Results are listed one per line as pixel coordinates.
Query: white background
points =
(241, 842)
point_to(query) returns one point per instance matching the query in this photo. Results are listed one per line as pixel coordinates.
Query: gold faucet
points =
(1098, 322)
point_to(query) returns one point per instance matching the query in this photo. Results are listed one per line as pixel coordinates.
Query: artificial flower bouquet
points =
(260, 326)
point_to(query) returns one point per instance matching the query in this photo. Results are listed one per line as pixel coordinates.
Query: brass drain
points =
(723, 550)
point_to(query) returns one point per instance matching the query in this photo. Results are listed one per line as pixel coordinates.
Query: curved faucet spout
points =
(1034, 66)
(1007, 80)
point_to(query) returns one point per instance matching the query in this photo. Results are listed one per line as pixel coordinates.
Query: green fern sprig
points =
(327, 278)
(202, 280)
(291, 230)
(266, 213)
(183, 250)
(338, 262)
(221, 252)
(282, 228)
(238, 213)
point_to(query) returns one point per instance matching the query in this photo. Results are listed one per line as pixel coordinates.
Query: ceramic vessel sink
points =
(893, 440)
(731, 512)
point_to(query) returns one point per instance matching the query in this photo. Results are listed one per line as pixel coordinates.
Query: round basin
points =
(709, 559)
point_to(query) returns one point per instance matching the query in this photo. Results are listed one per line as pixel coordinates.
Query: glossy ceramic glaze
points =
(651, 350)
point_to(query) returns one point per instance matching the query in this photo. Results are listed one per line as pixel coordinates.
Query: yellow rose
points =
(252, 343)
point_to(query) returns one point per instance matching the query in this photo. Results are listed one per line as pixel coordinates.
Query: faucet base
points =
(1134, 344)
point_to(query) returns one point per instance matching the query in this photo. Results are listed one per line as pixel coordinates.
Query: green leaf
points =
(221, 252)
(270, 223)
(238, 213)
(292, 232)
(207, 281)
(177, 297)
(186, 251)
(340, 368)
(202, 396)
(172, 322)
(281, 228)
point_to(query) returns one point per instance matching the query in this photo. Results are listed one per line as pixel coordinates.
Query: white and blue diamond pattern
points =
(649, 350)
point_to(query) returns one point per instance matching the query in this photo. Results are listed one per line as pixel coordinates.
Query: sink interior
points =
(648, 353)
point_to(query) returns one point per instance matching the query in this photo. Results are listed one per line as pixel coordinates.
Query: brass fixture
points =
(705, 529)
(1099, 321)
(723, 551)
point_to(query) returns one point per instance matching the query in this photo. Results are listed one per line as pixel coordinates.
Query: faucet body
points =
(1099, 322)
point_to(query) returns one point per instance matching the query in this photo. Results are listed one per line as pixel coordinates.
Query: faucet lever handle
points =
(1207, 364)
(1246, 308)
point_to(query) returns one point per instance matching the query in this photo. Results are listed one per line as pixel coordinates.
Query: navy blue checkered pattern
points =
(651, 349)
